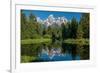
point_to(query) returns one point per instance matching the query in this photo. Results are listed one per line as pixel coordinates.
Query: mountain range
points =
(52, 21)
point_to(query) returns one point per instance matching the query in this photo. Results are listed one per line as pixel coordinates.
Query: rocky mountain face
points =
(52, 21)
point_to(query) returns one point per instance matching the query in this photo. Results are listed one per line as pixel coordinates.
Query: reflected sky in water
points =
(55, 52)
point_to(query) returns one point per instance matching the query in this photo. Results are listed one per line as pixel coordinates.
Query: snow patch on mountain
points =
(51, 20)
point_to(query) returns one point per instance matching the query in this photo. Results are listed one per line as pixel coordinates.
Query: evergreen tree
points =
(80, 32)
(83, 28)
(23, 25)
(73, 28)
(64, 31)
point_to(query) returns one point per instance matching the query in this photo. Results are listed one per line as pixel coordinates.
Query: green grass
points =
(47, 40)
(25, 59)
(77, 41)
(35, 41)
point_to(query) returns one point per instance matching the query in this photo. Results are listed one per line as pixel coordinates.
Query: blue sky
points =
(44, 14)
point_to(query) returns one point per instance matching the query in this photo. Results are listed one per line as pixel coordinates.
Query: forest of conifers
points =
(70, 32)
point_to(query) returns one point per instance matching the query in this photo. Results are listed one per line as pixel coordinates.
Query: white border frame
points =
(16, 66)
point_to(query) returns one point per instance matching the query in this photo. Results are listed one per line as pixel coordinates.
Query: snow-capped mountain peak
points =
(51, 20)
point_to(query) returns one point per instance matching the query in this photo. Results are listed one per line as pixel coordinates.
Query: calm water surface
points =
(45, 52)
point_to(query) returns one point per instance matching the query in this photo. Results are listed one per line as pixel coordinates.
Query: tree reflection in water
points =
(55, 52)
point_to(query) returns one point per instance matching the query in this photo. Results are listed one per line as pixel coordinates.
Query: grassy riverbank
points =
(69, 41)
(77, 41)
(35, 41)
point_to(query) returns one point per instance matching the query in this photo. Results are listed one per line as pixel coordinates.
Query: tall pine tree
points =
(83, 28)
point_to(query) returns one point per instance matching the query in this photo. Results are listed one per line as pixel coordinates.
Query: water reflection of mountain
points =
(55, 52)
